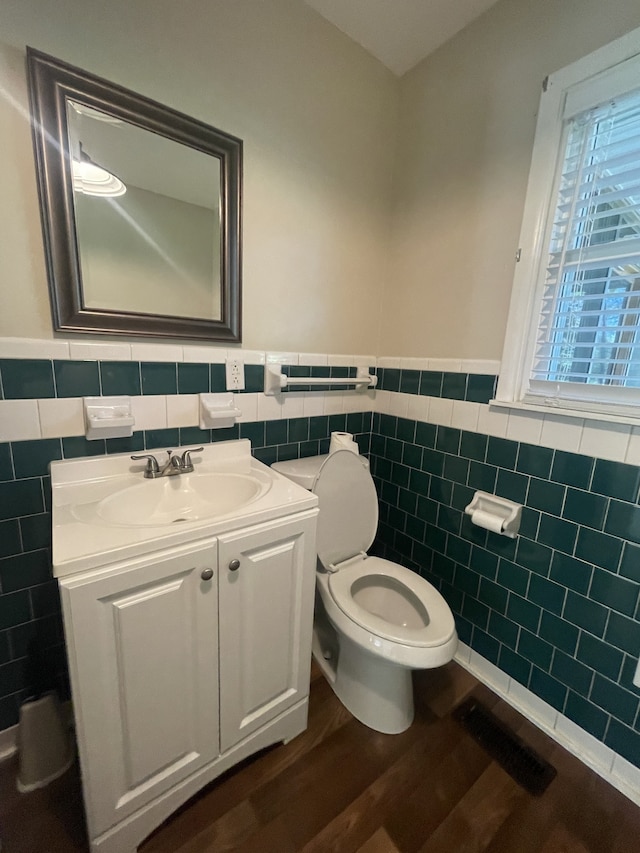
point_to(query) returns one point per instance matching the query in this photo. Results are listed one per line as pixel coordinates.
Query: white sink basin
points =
(105, 510)
(183, 498)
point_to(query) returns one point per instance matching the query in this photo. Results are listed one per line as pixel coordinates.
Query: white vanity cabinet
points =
(182, 655)
(189, 643)
(142, 638)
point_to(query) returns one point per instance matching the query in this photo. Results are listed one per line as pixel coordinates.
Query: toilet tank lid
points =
(301, 471)
(304, 471)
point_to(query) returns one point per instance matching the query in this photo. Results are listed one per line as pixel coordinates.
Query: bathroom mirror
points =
(140, 209)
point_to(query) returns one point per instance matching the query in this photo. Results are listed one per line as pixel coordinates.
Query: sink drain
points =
(176, 520)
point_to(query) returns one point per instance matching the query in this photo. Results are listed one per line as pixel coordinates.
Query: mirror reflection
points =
(147, 213)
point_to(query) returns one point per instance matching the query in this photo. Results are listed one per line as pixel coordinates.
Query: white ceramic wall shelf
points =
(108, 417)
(218, 411)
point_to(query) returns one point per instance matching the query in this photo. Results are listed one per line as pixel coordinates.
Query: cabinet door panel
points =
(266, 613)
(152, 647)
(144, 643)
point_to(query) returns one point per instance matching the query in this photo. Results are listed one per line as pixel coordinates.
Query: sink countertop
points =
(83, 541)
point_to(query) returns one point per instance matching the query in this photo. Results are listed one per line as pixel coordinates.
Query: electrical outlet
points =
(234, 371)
(636, 677)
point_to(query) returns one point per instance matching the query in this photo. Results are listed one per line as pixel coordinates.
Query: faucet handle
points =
(152, 464)
(186, 457)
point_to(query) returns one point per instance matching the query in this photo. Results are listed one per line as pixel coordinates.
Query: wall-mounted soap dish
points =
(218, 411)
(108, 417)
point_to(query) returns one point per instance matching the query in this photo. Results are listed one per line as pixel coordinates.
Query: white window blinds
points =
(587, 346)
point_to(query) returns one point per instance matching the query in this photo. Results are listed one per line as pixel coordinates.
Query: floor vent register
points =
(519, 760)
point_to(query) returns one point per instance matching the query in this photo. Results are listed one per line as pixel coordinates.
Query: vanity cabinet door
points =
(266, 587)
(142, 639)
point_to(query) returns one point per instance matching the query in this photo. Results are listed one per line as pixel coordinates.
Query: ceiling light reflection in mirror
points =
(145, 238)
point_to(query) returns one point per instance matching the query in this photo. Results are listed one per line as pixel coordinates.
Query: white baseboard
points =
(600, 758)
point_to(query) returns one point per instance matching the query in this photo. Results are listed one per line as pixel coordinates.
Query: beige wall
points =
(317, 116)
(320, 120)
(467, 122)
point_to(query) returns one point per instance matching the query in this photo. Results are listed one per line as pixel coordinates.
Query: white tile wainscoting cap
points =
(393, 363)
(414, 364)
(339, 360)
(484, 367)
(248, 356)
(157, 352)
(314, 359)
(445, 365)
(282, 358)
(204, 355)
(19, 420)
(97, 351)
(618, 772)
(32, 348)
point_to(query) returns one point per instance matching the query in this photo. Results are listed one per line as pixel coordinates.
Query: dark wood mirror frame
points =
(52, 83)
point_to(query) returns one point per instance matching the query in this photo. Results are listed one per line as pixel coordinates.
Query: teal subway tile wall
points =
(557, 609)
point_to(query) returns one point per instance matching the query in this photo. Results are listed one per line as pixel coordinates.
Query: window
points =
(573, 339)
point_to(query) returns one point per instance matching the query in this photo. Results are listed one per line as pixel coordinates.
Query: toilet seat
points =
(347, 526)
(348, 501)
(440, 625)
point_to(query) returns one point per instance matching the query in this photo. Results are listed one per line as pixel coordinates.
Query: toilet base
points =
(376, 692)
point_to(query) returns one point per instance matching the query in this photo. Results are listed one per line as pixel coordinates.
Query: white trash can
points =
(45, 744)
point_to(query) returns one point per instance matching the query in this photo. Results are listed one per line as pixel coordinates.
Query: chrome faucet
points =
(175, 464)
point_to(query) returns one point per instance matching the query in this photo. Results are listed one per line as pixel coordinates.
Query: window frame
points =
(582, 82)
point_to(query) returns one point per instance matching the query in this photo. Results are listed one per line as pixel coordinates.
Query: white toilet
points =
(375, 620)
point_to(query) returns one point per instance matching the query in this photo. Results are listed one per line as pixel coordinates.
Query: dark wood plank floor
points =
(344, 788)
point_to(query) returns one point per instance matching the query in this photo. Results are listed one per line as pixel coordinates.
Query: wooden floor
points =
(342, 787)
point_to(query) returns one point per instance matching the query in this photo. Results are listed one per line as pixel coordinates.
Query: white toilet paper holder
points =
(496, 514)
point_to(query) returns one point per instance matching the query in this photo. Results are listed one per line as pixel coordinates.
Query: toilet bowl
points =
(375, 621)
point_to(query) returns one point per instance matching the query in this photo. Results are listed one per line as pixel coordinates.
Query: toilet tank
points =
(302, 471)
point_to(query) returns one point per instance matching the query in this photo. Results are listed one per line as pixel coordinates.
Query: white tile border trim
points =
(614, 442)
(613, 768)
